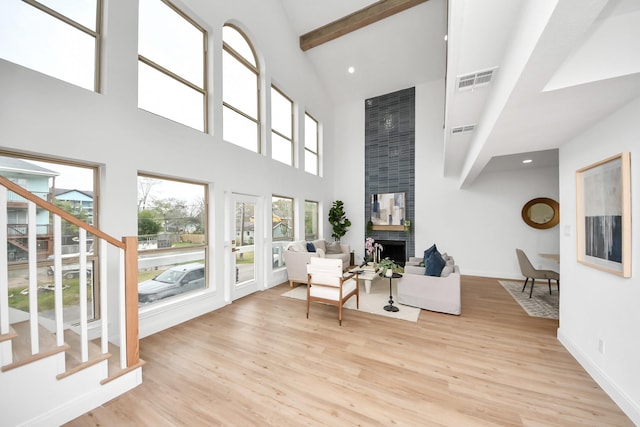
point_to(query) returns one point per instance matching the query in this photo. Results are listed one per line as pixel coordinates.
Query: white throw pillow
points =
(298, 247)
(320, 244)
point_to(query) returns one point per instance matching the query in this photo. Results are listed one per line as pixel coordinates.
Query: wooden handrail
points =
(56, 210)
(131, 300)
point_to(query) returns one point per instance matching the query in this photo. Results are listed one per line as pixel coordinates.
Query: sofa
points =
(434, 293)
(298, 254)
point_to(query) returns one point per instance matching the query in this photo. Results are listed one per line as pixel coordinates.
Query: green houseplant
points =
(387, 264)
(338, 220)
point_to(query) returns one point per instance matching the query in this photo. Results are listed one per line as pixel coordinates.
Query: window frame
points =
(93, 260)
(278, 133)
(96, 34)
(204, 247)
(291, 226)
(204, 90)
(254, 69)
(316, 153)
(317, 212)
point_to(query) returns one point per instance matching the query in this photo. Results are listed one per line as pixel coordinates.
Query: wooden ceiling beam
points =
(361, 18)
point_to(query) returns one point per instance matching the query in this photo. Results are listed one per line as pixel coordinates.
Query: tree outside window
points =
(171, 233)
(310, 220)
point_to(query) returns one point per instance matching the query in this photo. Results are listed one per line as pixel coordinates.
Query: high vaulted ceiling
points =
(558, 67)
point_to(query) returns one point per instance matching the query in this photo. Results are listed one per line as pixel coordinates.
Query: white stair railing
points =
(127, 321)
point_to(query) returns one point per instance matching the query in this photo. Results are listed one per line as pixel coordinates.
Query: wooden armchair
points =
(325, 283)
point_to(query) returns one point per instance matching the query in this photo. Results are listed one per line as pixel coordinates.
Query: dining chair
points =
(327, 284)
(528, 271)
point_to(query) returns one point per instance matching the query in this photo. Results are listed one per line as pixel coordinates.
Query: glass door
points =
(245, 245)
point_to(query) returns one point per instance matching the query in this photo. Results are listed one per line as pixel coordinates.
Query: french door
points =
(246, 244)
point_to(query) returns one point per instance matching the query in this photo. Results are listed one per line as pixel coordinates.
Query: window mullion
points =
(231, 107)
(170, 74)
(62, 18)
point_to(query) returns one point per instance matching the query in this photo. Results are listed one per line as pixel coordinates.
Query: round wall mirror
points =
(541, 213)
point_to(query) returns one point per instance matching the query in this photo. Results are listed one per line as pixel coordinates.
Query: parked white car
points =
(71, 271)
(173, 281)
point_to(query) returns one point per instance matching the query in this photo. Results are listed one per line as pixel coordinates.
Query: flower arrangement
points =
(373, 249)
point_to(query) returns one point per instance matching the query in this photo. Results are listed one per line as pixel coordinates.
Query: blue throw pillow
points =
(434, 265)
(428, 252)
(310, 247)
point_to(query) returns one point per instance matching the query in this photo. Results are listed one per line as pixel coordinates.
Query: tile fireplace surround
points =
(390, 158)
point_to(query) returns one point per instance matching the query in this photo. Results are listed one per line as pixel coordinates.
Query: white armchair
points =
(326, 284)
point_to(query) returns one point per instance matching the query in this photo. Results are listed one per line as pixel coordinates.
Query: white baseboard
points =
(88, 401)
(618, 395)
(163, 315)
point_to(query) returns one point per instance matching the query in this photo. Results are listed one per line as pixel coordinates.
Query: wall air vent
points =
(462, 129)
(475, 80)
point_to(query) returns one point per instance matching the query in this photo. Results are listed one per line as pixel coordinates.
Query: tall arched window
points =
(240, 90)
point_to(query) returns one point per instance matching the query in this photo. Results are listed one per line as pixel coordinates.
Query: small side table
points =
(392, 307)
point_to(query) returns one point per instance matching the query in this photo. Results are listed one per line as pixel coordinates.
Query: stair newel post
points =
(131, 299)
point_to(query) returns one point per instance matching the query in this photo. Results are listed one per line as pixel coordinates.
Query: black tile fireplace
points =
(394, 249)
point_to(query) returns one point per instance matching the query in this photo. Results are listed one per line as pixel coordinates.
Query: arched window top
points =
(236, 40)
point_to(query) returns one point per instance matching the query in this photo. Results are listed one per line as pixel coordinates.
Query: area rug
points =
(541, 304)
(371, 303)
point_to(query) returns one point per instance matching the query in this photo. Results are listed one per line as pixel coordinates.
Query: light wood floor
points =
(260, 362)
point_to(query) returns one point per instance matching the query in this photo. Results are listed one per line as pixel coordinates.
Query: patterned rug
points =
(371, 303)
(541, 304)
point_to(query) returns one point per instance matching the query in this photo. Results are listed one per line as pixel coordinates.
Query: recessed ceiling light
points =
(351, 70)
(527, 161)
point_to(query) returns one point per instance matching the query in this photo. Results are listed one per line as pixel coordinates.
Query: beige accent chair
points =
(532, 273)
(326, 284)
(296, 257)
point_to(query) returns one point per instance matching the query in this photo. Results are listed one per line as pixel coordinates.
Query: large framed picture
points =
(388, 211)
(603, 204)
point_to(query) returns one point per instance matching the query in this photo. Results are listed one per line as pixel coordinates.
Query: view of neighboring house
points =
(35, 179)
(78, 199)
(41, 182)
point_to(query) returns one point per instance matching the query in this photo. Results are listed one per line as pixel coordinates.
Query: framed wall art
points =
(388, 211)
(603, 205)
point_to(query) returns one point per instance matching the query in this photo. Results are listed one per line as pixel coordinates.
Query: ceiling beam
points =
(361, 18)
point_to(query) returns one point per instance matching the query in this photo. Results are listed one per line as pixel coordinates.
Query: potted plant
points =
(338, 220)
(387, 265)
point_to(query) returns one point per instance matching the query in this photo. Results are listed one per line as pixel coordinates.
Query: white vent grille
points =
(463, 129)
(475, 80)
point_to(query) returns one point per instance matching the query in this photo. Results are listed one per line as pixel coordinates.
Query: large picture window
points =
(72, 188)
(57, 38)
(240, 90)
(172, 238)
(171, 64)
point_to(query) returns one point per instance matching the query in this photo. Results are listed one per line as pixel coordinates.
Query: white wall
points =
(480, 226)
(597, 306)
(44, 116)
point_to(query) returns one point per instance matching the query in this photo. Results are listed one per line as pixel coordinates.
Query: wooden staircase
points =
(52, 368)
